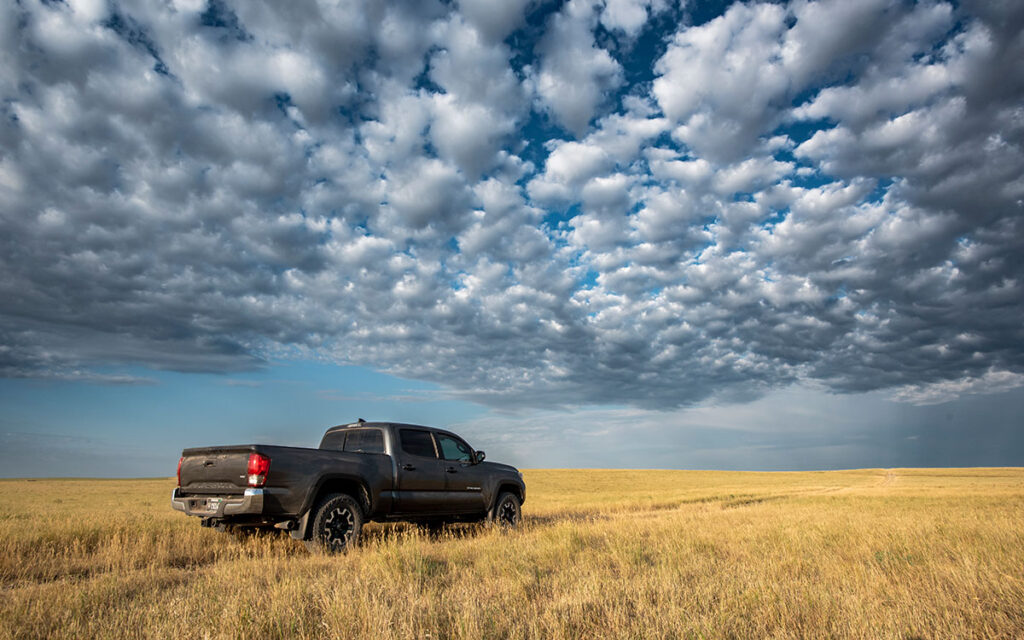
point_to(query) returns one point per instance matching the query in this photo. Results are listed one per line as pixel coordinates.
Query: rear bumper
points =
(251, 502)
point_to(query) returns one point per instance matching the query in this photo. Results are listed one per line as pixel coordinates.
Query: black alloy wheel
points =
(337, 525)
(506, 511)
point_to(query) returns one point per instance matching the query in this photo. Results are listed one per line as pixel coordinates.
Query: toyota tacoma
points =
(363, 471)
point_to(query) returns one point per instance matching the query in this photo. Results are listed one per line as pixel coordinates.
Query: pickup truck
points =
(363, 471)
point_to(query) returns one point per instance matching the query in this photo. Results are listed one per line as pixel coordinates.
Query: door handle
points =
(408, 467)
(451, 470)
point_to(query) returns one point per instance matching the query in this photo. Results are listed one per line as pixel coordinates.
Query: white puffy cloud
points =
(617, 141)
(629, 16)
(575, 75)
(468, 136)
(427, 192)
(752, 174)
(568, 166)
(729, 82)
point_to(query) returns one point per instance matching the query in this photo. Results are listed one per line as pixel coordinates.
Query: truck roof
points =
(363, 423)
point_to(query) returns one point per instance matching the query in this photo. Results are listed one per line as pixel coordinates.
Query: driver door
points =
(463, 479)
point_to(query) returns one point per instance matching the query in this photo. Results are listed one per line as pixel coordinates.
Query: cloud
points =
(574, 74)
(630, 16)
(790, 197)
(991, 382)
(494, 18)
(730, 81)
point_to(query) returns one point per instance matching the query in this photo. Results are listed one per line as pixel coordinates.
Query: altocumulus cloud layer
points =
(532, 204)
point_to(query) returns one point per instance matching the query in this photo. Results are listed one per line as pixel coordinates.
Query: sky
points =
(629, 233)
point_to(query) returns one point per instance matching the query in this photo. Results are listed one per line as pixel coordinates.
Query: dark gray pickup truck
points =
(362, 471)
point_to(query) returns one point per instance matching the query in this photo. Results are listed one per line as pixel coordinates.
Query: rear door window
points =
(417, 443)
(364, 441)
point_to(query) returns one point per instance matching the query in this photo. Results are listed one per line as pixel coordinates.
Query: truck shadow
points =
(384, 532)
(378, 532)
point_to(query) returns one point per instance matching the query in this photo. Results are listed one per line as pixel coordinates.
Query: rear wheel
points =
(506, 512)
(337, 524)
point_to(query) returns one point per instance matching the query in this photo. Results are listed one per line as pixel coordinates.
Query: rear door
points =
(463, 479)
(421, 476)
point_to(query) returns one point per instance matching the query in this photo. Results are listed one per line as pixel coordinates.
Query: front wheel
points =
(506, 512)
(337, 525)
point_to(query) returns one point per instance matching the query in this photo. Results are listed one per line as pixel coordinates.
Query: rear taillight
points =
(179, 469)
(258, 467)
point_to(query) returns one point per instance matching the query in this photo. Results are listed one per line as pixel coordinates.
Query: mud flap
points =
(301, 530)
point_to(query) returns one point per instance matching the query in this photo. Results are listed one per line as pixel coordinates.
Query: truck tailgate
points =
(215, 470)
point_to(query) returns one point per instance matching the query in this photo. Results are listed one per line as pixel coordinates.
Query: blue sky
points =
(629, 233)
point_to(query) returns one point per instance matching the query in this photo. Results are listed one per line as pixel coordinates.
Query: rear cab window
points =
(355, 441)
(364, 441)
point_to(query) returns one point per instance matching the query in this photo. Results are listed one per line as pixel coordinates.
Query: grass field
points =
(929, 553)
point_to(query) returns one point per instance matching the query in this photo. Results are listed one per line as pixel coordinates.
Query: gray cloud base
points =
(206, 187)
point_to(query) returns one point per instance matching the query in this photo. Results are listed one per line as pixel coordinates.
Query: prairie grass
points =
(922, 553)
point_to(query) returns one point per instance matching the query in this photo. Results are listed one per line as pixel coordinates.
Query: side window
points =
(365, 441)
(452, 449)
(417, 443)
(334, 441)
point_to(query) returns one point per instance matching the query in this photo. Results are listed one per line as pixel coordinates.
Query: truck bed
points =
(221, 471)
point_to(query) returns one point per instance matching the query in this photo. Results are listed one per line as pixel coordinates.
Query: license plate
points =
(208, 505)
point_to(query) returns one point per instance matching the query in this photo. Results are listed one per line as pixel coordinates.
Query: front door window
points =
(454, 449)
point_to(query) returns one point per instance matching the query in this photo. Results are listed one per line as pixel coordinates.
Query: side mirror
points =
(480, 455)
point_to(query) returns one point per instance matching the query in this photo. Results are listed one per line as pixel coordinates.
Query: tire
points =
(506, 512)
(337, 524)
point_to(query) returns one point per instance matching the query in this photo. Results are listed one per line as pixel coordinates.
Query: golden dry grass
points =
(929, 553)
